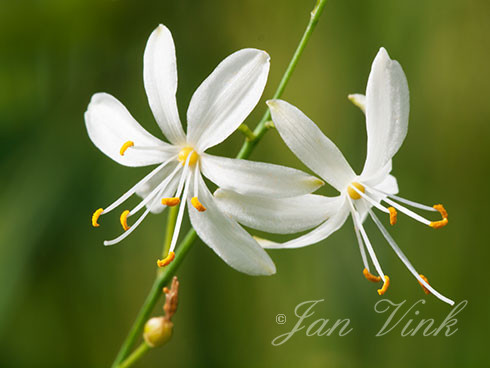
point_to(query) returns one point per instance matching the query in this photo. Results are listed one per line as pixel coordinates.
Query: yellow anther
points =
(197, 205)
(95, 217)
(124, 220)
(423, 287)
(368, 275)
(171, 202)
(441, 210)
(166, 290)
(352, 193)
(184, 154)
(385, 286)
(439, 224)
(166, 261)
(444, 221)
(393, 214)
(125, 146)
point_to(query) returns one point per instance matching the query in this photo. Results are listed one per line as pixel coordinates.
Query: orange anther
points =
(171, 202)
(441, 210)
(439, 224)
(124, 220)
(164, 262)
(125, 146)
(368, 275)
(95, 217)
(197, 205)
(393, 215)
(385, 286)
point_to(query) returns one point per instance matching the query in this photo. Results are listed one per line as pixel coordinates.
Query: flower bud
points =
(157, 331)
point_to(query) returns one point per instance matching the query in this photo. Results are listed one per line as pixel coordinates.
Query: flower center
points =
(184, 154)
(351, 191)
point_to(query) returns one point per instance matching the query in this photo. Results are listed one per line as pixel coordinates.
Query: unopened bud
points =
(158, 331)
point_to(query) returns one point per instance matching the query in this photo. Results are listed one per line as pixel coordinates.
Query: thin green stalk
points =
(262, 127)
(156, 290)
(247, 148)
(135, 355)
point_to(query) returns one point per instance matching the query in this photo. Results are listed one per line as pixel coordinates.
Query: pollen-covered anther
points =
(441, 209)
(385, 286)
(439, 224)
(125, 146)
(352, 192)
(370, 277)
(171, 202)
(423, 287)
(197, 205)
(444, 221)
(184, 155)
(95, 217)
(167, 260)
(124, 220)
(393, 215)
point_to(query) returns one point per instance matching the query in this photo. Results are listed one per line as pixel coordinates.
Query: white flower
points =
(217, 108)
(386, 106)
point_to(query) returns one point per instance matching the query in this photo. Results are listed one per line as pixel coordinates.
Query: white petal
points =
(257, 178)
(387, 108)
(276, 215)
(160, 77)
(151, 184)
(316, 235)
(226, 97)
(228, 239)
(358, 100)
(110, 125)
(311, 146)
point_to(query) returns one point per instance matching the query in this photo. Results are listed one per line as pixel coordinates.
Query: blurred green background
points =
(68, 301)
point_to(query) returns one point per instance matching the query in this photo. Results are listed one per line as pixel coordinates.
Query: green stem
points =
(156, 290)
(262, 127)
(135, 355)
(164, 276)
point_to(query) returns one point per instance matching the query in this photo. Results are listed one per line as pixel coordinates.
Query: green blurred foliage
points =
(68, 301)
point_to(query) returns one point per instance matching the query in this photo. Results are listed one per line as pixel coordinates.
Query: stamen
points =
(358, 223)
(393, 214)
(95, 217)
(405, 260)
(197, 205)
(184, 154)
(423, 286)
(124, 220)
(439, 224)
(171, 202)
(125, 146)
(385, 286)
(370, 277)
(167, 260)
(352, 192)
(441, 209)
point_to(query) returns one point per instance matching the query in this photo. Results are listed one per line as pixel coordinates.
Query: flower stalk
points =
(163, 276)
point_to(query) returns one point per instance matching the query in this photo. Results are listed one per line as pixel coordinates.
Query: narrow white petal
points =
(226, 97)
(228, 239)
(110, 125)
(257, 178)
(387, 109)
(358, 100)
(316, 235)
(276, 215)
(160, 77)
(311, 146)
